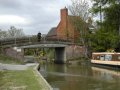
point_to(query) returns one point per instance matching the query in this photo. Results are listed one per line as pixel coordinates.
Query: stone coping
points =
(37, 73)
(12, 67)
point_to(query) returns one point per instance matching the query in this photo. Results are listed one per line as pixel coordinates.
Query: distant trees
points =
(108, 33)
(110, 10)
(102, 41)
(12, 32)
(80, 8)
(3, 34)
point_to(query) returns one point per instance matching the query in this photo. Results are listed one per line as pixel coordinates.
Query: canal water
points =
(80, 77)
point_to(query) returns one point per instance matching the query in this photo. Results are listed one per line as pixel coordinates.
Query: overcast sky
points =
(32, 16)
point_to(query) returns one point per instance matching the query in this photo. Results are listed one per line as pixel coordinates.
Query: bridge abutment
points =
(74, 52)
(60, 55)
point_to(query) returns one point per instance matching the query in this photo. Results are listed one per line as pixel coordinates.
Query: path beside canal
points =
(21, 77)
(15, 67)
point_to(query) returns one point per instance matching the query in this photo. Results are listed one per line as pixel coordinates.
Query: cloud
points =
(12, 19)
(31, 15)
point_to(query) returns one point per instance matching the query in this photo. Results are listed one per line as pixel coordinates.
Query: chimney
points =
(64, 21)
(64, 14)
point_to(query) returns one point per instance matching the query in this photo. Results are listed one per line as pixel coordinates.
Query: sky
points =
(32, 16)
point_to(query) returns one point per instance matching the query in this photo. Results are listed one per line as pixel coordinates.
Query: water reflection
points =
(80, 77)
(105, 74)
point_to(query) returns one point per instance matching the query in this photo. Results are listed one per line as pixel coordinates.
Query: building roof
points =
(52, 32)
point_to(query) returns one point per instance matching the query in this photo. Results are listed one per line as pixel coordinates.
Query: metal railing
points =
(32, 39)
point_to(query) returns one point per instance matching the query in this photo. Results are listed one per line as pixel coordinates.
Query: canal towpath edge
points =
(40, 77)
(35, 67)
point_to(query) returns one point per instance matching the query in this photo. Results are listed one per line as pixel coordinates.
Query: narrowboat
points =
(106, 59)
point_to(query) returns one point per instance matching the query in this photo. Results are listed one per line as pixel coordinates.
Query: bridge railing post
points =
(29, 39)
(15, 40)
(44, 38)
(58, 39)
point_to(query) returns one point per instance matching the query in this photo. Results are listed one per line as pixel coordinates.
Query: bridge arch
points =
(60, 52)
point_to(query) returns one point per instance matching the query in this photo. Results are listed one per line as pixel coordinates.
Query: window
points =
(102, 57)
(108, 57)
(98, 57)
(118, 57)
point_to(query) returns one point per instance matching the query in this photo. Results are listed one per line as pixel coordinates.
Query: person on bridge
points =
(39, 37)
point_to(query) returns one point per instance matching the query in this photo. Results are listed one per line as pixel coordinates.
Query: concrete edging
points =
(38, 73)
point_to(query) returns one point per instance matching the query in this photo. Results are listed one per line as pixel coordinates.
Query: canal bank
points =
(22, 77)
(44, 83)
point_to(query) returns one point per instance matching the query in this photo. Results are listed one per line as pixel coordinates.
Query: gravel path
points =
(14, 67)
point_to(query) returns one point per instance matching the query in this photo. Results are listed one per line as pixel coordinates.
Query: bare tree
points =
(80, 10)
(3, 34)
(11, 33)
(14, 32)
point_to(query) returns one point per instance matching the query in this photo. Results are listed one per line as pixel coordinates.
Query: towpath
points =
(15, 67)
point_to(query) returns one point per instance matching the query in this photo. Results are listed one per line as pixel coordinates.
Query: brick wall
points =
(62, 26)
(65, 29)
(13, 53)
(74, 51)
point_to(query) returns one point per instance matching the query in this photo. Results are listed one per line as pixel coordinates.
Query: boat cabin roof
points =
(105, 53)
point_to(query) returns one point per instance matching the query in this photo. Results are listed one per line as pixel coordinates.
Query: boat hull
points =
(115, 64)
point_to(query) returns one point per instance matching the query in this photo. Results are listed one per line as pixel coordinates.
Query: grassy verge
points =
(9, 60)
(19, 80)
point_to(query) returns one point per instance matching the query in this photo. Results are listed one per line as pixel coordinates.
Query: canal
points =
(80, 77)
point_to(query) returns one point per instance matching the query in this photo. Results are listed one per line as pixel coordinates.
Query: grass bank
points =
(21, 80)
(9, 60)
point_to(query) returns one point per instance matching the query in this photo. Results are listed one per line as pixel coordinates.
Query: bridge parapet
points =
(28, 40)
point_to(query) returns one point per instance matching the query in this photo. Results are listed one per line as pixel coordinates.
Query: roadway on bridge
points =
(44, 46)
